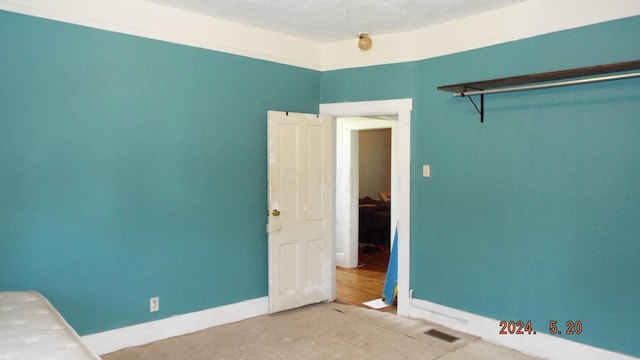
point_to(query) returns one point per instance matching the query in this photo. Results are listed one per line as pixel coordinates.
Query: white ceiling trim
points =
(502, 25)
(159, 22)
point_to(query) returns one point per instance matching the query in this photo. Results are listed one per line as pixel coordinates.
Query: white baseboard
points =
(341, 260)
(136, 335)
(540, 345)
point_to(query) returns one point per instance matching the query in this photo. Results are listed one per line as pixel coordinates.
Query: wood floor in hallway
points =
(364, 283)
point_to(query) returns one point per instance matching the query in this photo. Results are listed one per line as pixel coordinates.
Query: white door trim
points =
(402, 108)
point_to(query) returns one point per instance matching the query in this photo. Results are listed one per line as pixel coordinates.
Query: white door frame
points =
(402, 108)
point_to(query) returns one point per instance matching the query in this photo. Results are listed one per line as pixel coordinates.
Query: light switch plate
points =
(426, 170)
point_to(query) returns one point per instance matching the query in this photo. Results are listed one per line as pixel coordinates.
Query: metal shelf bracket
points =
(480, 109)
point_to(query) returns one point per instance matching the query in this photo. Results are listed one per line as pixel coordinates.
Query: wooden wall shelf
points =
(542, 80)
(543, 77)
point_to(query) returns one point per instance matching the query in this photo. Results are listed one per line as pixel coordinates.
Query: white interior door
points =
(301, 193)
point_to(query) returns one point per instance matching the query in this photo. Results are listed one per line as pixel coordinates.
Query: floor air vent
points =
(442, 336)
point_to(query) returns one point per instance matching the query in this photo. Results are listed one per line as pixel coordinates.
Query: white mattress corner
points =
(31, 327)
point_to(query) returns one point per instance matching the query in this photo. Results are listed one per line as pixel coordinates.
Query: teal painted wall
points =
(132, 168)
(532, 215)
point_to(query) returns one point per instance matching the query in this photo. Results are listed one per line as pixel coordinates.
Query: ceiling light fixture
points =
(364, 41)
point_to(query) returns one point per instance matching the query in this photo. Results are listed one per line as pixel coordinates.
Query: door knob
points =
(275, 212)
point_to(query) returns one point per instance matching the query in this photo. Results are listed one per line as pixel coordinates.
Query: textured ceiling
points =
(334, 20)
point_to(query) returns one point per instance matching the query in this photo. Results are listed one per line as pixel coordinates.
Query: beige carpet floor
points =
(322, 331)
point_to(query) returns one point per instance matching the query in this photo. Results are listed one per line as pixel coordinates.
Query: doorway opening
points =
(364, 154)
(397, 113)
(374, 192)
